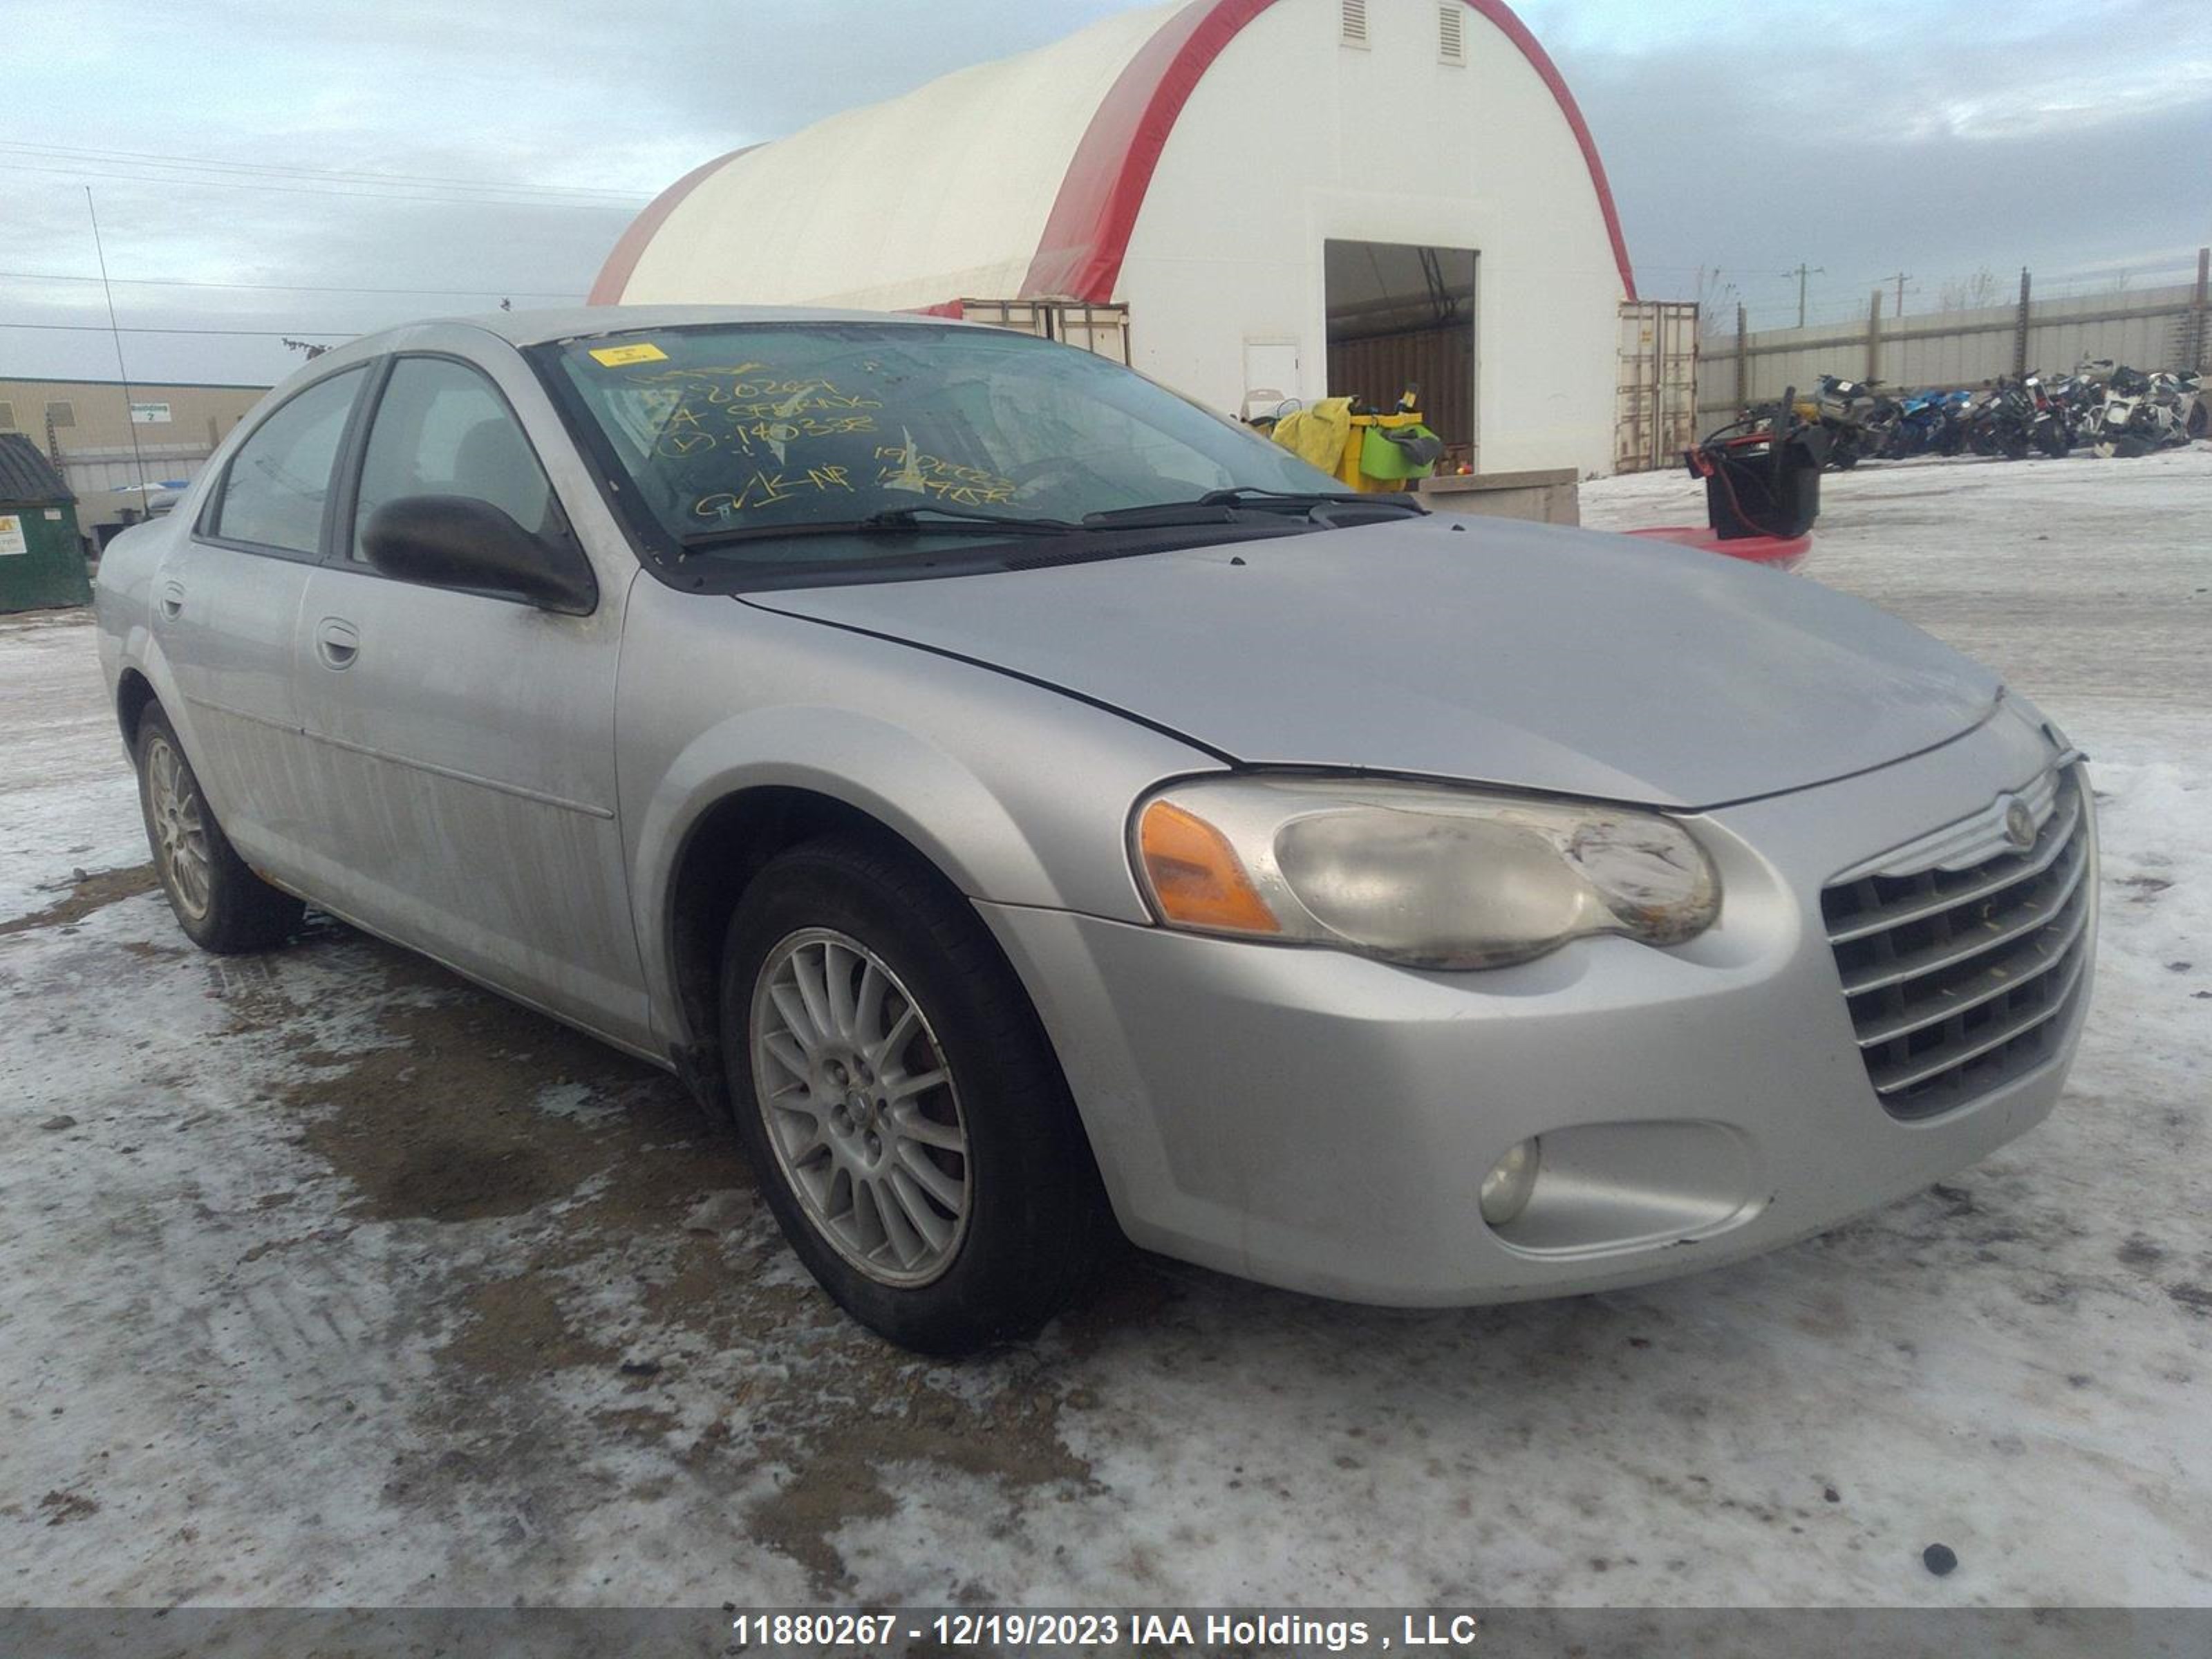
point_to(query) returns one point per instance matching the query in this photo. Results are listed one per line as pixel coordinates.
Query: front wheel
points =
(219, 903)
(901, 1104)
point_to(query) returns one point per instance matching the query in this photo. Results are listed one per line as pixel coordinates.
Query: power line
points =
(256, 333)
(284, 288)
(81, 174)
(278, 170)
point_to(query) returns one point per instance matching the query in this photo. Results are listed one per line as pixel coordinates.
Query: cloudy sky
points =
(261, 168)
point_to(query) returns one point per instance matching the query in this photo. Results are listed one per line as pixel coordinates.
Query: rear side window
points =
(274, 494)
(442, 428)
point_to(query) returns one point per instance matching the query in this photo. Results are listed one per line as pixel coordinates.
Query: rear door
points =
(226, 605)
(468, 739)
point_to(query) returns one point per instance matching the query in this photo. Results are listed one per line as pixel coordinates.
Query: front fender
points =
(894, 774)
(1019, 794)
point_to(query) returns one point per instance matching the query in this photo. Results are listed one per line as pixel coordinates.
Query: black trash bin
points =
(1763, 481)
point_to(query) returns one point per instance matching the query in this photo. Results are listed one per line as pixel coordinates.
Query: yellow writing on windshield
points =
(785, 431)
(909, 468)
(765, 487)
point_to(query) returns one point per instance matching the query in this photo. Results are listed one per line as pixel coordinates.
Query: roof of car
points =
(534, 327)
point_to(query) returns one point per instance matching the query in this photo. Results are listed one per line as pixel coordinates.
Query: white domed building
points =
(1251, 200)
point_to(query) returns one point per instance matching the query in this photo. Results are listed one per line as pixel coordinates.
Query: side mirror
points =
(457, 541)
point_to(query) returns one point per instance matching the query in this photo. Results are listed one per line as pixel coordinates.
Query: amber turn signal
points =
(1196, 877)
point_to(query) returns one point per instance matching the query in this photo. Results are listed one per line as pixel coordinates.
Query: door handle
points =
(172, 599)
(337, 642)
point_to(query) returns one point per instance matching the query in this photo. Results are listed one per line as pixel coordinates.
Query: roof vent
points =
(1355, 23)
(1451, 31)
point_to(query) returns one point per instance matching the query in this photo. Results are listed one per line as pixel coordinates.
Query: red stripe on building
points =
(614, 276)
(1087, 235)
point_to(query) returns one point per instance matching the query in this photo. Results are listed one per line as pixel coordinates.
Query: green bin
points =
(41, 554)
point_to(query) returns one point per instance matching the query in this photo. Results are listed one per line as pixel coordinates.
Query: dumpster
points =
(41, 554)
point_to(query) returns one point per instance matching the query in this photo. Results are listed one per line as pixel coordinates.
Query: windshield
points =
(727, 436)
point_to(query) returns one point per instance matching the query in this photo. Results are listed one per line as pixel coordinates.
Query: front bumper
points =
(1321, 1122)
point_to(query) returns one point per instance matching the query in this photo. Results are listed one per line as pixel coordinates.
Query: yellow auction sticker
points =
(616, 357)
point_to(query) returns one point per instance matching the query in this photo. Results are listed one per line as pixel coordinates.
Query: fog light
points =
(1505, 1189)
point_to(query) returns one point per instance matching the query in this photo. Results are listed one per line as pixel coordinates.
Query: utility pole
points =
(2200, 342)
(1742, 370)
(1900, 278)
(1800, 274)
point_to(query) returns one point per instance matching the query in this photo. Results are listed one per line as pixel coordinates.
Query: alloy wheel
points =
(180, 825)
(860, 1107)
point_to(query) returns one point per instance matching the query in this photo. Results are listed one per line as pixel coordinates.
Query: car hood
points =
(1525, 655)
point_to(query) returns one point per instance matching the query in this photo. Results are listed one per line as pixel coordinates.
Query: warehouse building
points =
(1250, 200)
(116, 447)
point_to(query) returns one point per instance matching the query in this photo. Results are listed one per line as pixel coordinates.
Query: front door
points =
(469, 740)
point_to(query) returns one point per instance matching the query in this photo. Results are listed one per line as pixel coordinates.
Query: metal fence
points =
(2148, 328)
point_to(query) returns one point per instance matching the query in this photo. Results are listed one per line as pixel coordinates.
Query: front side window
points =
(274, 494)
(727, 436)
(441, 428)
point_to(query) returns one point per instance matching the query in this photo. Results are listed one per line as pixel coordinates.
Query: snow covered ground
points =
(326, 1279)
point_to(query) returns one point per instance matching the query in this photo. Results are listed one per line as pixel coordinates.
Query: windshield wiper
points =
(891, 521)
(1219, 506)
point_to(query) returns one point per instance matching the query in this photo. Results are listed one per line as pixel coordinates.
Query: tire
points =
(221, 905)
(844, 1117)
(2200, 421)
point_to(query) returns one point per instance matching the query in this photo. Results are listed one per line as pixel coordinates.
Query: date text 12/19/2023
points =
(1001, 1628)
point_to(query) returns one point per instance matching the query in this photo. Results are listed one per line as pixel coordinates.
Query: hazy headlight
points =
(1429, 876)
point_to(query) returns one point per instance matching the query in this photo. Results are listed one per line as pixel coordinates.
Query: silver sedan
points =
(1036, 812)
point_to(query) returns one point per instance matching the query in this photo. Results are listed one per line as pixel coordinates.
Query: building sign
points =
(149, 414)
(11, 536)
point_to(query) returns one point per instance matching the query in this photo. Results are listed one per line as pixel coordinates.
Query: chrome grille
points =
(1958, 974)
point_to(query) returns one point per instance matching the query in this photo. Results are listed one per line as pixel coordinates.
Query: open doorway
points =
(1399, 314)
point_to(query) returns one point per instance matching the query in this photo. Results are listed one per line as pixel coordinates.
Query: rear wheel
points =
(219, 903)
(901, 1104)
